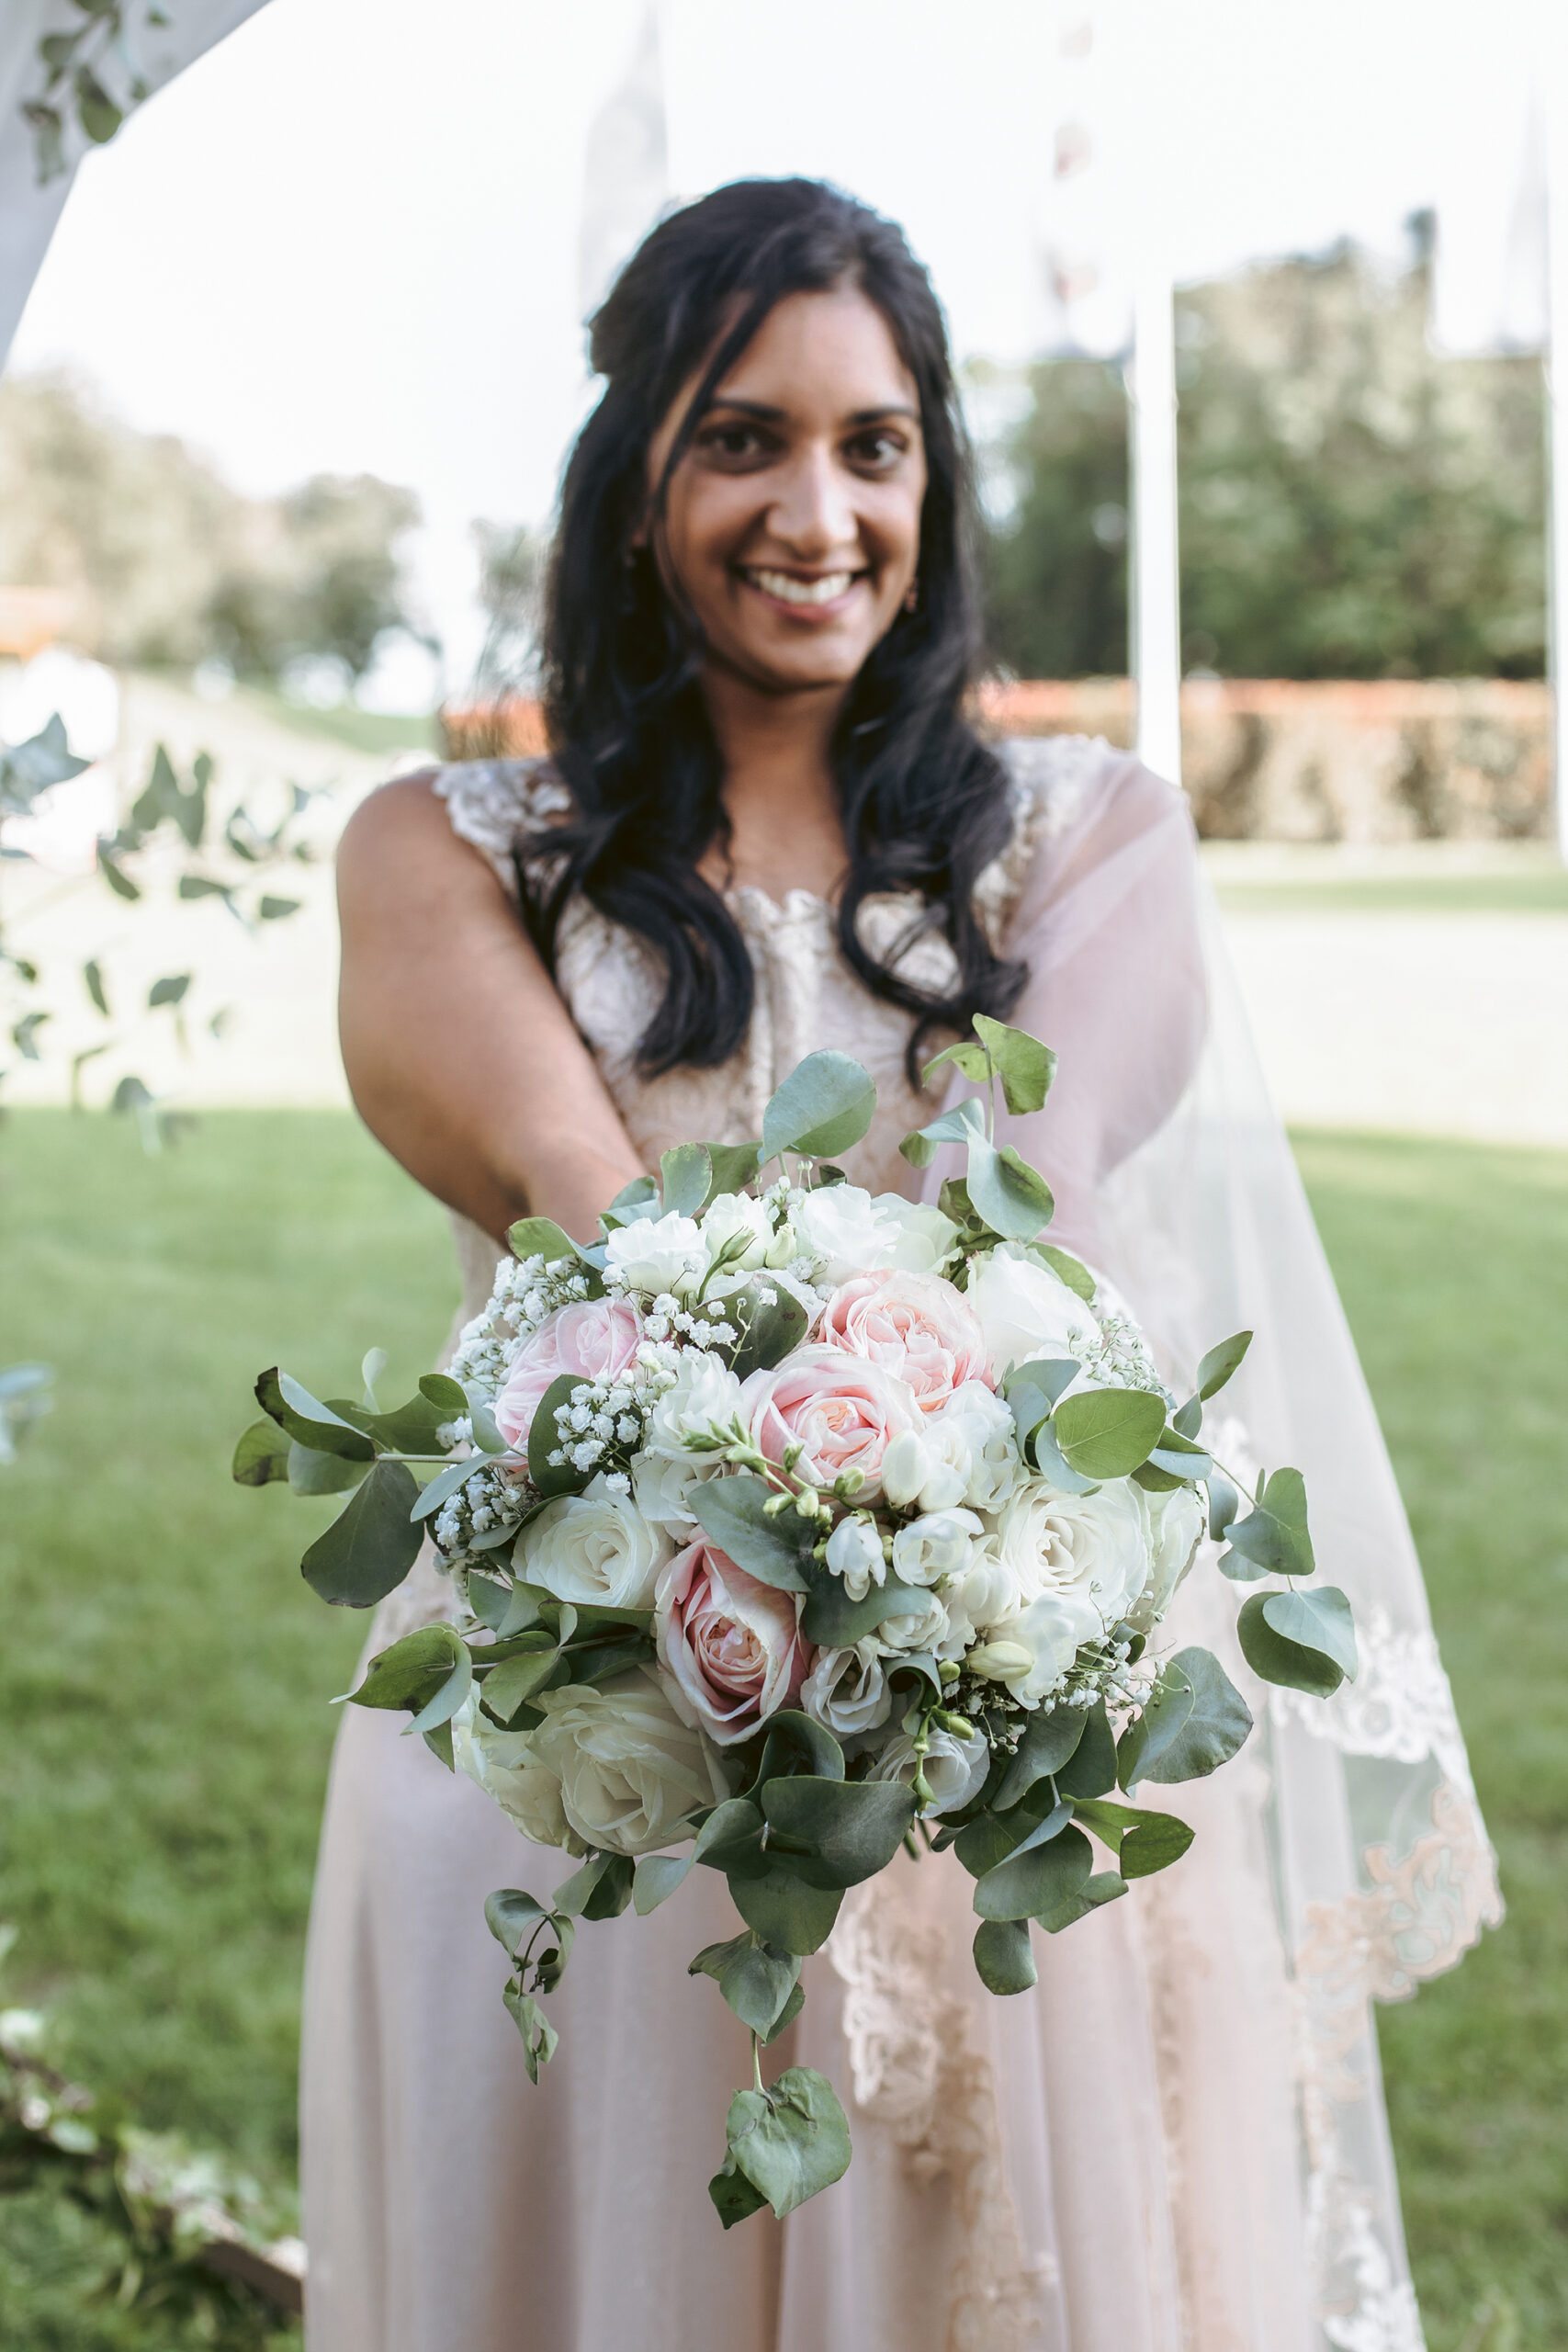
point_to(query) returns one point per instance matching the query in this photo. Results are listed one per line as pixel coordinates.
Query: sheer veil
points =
(1173, 1175)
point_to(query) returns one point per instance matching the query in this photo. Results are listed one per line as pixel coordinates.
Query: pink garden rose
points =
(915, 1326)
(730, 1648)
(843, 1411)
(597, 1340)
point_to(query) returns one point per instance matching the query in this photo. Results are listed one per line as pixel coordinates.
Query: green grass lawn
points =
(164, 1673)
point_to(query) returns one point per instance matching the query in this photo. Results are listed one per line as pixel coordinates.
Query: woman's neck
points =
(779, 794)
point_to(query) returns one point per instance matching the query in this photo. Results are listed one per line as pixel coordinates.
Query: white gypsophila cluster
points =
(1120, 1358)
(526, 1291)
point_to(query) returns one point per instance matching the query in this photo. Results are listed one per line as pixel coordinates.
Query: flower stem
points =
(756, 2061)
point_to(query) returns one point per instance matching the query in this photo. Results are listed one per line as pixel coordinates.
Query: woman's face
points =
(793, 524)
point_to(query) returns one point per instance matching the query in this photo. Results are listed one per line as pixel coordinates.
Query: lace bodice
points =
(807, 996)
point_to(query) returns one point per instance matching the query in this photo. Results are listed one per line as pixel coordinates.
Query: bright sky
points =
(346, 238)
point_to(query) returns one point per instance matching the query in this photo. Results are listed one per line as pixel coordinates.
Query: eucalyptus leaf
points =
(685, 1179)
(790, 2140)
(1051, 1463)
(1104, 1887)
(1009, 1195)
(1221, 1363)
(444, 1703)
(1274, 1535)
(796, 1743)
(849, 1829)
(308, 1420)
(544, 1439)
(1067, 1269)
(510, 1685)
(832, 1620)
(785, 1911)
(408, 1429)
(540, 2040)
(1195, 1721)
(655, 1878)
(412, 1671)
(970, 1059)
(825, 1104)
(371, 1546)
(310, 1472)
(260, 1456)
(1037, 1879)
(1025, 1067)
(756, 1982)
(767, 1331)
(540, 1237)
(1108, 1432)
(734, 1166)
(1224, 1505)
(1274, 1657)
(1143, 1842)
(775, 1551)
(1003, 1957)
(786, 2016)
(439, 1388)
(1048, 1742)
(1319, 1619)
(512, 1916)
(734, 2198)
(446, 1482)
(959, 1124)
(1091, 1770)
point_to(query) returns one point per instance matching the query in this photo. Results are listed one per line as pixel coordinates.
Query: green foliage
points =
(787, 2144)
(1108, 1432)
(1350, 506)
(1194, 1721)
(825, 1104)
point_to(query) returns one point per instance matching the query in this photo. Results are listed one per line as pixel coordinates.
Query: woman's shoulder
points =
(495, 804)
(1076, 800)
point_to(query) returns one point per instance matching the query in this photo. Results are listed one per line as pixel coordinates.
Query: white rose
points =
(923, 1243)
(1025, 1311)
(991, 1591)
(729, 1217)
(1094, 1546)
(928, 1630)
(976, 1425)
(955, 1768)
(843, 1225)
(936, 1546)
(1031, 1651)
(629, 1769)
(657, 1254)
(596, 1549)
(663, 1487)
(855, 1553)
(847, 1690)
(705, 1397)
(506, 1768)
(1176, 1529)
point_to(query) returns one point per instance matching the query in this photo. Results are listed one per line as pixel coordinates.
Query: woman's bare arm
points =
(460, 1055)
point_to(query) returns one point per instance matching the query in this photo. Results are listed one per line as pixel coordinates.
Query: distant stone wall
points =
(1273, 759)
(1384, 760)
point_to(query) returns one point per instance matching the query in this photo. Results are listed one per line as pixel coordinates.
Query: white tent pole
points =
(1555, 108)
(1153, 590)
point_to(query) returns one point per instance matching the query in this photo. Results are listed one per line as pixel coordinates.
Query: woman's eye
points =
(733, 443)
(878, 450)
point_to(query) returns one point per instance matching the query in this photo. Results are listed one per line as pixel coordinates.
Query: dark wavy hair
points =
(924, 803)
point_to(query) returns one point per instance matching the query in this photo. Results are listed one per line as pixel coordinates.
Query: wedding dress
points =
(1177, 2141)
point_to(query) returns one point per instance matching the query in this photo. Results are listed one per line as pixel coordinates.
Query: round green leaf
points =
(1003, 1957)
(1108, 1432)
(1273, 1657)
(825, 1104)
(850, 1829)
(371, 1546)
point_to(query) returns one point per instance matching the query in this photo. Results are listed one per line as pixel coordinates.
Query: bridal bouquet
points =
(790, 1527)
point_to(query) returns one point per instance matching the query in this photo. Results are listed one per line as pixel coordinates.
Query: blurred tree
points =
(512, 581)
(168, 566)
(1350, 506)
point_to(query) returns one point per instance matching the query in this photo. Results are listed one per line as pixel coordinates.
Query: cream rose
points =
(1176, 1529)
(705, 1397)
(658, 1254)
(507, 1769)
(628, 1769)
(841, 1410)
(596, 1340)
(730, 1647)
(1025, 1311)
(856, 1555)
(916, 1326)
(1096, 1547)
(596, 1549)
(847, 1690)
(939, 1545)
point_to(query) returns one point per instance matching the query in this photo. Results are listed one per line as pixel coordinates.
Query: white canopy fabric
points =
(29, 212)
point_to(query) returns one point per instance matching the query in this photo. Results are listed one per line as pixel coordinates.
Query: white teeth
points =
(790, 591)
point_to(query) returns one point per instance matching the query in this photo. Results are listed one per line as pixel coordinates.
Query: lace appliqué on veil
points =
(915, 2070)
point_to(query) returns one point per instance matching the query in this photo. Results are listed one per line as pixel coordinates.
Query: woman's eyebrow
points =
(771, 414)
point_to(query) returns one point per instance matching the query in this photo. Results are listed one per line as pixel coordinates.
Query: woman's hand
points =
(460, 1055)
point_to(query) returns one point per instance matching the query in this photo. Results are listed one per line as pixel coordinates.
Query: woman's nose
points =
(814, 511)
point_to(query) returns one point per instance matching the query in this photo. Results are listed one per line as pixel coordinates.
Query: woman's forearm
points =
(460, 1057)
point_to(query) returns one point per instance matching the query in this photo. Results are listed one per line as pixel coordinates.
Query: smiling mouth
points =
(790, 590)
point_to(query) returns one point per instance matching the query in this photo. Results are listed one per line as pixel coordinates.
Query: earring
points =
(912, 596)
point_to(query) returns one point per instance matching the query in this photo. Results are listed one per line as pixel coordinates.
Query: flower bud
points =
(994, 1661)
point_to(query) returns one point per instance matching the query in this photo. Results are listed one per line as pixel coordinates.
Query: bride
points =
(766, 826)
